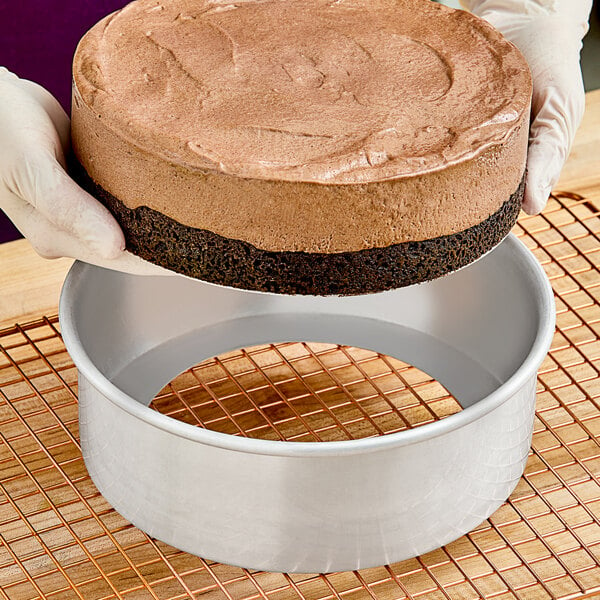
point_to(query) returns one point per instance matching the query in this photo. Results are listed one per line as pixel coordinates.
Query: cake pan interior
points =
(472, 330)
(482, 332)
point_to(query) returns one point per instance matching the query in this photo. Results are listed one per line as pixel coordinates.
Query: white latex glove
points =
(549, 34)
(44, 203)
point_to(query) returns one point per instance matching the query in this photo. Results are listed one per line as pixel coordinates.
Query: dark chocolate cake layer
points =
(208, 256)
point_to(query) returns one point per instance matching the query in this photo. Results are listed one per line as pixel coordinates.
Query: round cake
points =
(303, 146)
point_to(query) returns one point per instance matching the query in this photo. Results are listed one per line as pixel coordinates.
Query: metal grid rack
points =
(60, 539)
(305, 392)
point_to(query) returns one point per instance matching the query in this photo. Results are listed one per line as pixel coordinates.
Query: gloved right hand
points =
(549, 34)
(45, 204)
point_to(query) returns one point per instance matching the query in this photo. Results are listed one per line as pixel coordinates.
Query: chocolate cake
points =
(303, 146)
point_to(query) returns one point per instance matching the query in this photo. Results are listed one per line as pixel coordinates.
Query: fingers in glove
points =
(46, 239)
(25, 100)
(50, 242)
(544, 166)
(32, 167)
(558, 110)
(53, 109)
(41, 181)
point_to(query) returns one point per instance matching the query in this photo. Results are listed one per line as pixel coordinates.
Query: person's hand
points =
(44, 203)
(549, 34)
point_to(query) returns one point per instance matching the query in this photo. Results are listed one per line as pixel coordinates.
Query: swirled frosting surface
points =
(340, 91)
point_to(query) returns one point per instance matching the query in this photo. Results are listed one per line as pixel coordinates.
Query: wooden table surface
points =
(30, 285)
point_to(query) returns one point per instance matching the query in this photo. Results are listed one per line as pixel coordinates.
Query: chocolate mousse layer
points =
(206, 255)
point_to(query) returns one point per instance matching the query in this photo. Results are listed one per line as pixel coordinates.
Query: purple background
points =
(37, 42)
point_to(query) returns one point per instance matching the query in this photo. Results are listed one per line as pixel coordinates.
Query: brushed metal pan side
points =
(287, 506)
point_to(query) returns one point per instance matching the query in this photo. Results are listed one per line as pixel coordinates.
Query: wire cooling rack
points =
(60, 539)
(305, 392)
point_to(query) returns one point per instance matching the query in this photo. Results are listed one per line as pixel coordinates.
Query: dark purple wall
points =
(37, 42)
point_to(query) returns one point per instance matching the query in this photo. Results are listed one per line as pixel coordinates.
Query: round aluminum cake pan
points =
(300, 506)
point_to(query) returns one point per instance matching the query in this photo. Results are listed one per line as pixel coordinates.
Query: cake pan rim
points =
(519, 378)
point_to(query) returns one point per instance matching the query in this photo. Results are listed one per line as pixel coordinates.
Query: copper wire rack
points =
(60, 539)
(303, 391)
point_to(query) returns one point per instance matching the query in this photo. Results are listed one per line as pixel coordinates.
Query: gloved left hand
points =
(46, 205)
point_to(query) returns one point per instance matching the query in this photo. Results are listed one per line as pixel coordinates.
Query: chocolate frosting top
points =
(327, 91)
